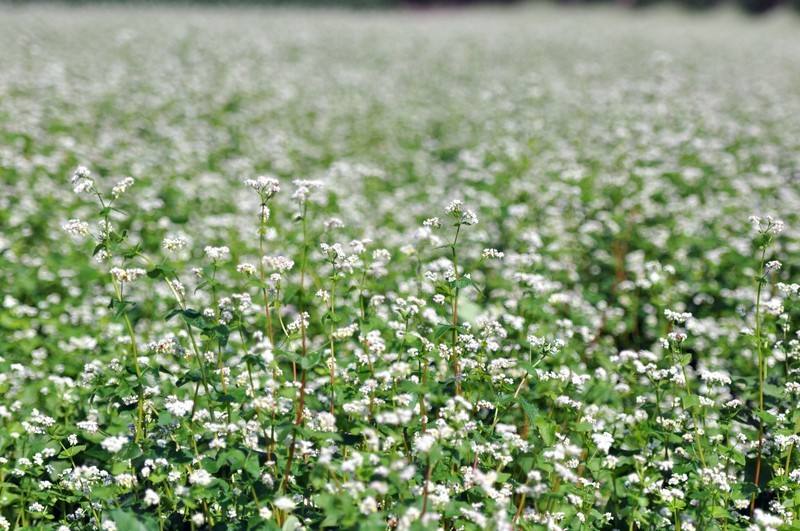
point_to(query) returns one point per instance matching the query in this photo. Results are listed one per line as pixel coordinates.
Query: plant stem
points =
(333, 354)
(454, 354)
(301, 401)
(262, 277)
(135, 355)
(425, 486)
(761, 378)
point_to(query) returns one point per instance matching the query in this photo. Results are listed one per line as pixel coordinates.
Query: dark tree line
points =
(749, 6)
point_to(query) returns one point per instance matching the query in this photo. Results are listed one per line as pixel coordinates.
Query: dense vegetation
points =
(754, 7)
(492, 270)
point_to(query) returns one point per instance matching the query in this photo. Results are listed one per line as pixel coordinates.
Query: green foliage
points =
(496, 279)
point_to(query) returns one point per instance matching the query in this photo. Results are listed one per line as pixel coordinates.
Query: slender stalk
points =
(454, 353)
(88, 498)
(423, 413)
(332, 361)
(695, 420)
(361, 296)
(135, 355)
(220, 364)
(200, 361)
(302, 400)
(252, 384)
(304, 345)
(262, 277)
(268, 328)
(761, 377)
(425, 486)
(128, 325)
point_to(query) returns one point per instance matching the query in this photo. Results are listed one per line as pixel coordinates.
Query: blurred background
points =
(754, 7)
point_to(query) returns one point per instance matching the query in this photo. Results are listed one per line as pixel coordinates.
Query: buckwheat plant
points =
(330, 270)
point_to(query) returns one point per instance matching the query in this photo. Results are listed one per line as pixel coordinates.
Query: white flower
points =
(245, 268)
(767, 225)
(114, 444)
(603, 441)
(151, 497)
(456, 210)
(200, 477)
(767, 520)
(217, 253)
(455, 207)
(715, 377)
(127, 275)
(368, 505)
(333, 223)
(284, 504)
(179, 408)
(36, 507)
(423, 443)
(772, 265)
(265, 185)
(174, 243)
(89, 425)
(304, 189)
(121, 187)
(82, 180)
(278, 263)
(76, 227)
(677, 317)
(125, 480)
(469, 218)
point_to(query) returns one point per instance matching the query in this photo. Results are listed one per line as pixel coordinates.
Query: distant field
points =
(479, 269)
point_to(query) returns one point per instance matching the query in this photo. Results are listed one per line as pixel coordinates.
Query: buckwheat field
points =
(512, 269)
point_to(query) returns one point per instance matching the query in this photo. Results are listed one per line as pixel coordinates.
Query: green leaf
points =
(529, 367)
(233, 396)
(252, 466)
(291, 524)
(235, 458)
(773, 391)
(311, 360)
(441, 330)
(121, 307)
(467, 309)
(72, 451)
(161, 272)
(331, 519)
(530, 410)
(547, 430)
(172, 313)
(193, 375)
(690, 401)
(129, 521)
(767, 417)
(462, 282)
(191, 314)
(738, 458)
(220, 332)
(132, 252)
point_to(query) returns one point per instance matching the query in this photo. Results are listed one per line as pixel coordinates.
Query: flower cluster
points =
(501, 294)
